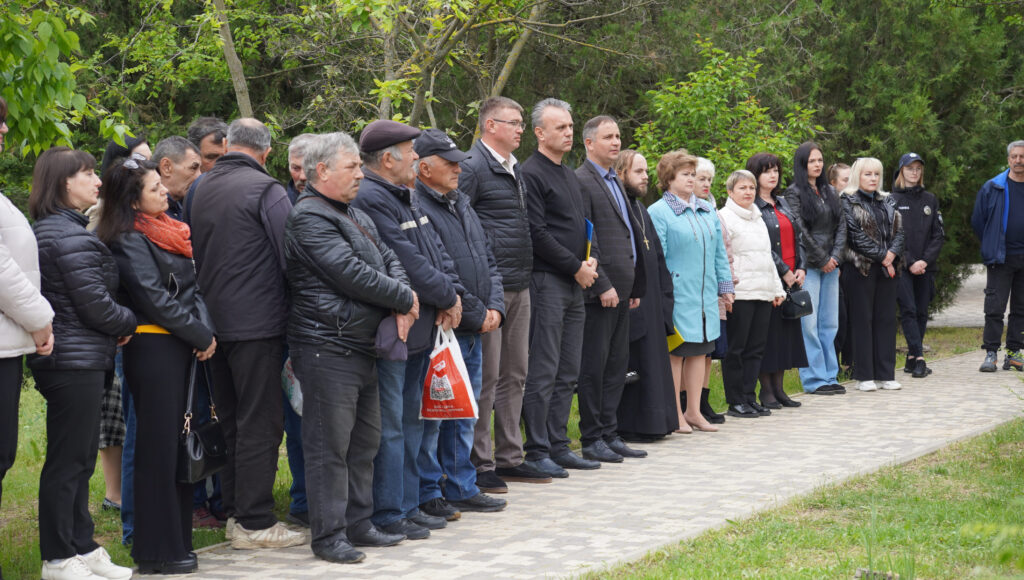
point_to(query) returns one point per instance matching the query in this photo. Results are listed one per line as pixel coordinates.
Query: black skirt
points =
(785, 349)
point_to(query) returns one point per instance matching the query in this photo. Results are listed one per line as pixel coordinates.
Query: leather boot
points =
(707, 411)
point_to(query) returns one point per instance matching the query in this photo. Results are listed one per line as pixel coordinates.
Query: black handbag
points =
(202, 449)
(797, 303)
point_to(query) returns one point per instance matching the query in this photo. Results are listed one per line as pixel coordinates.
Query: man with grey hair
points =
(387, 150)
(296, 152)
(491, 179)
(178, 161)
(562, 269)
(344, 280)
(238, 219)
(998, 221)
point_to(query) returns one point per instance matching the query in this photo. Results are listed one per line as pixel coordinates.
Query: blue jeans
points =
(820, 329)
(127, 456)
(455, 440)
(396, 478)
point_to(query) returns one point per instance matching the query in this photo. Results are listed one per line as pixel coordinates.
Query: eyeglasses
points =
(515, 124)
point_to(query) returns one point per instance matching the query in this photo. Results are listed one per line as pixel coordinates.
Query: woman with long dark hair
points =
(871, 263)
(154, 256)
(785, 350)
(79, 279)
(924, 236)
(819, 213)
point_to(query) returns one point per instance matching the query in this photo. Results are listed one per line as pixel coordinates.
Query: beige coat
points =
(22, 307)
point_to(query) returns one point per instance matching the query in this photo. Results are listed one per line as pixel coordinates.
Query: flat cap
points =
(384, 133)
(436, 142)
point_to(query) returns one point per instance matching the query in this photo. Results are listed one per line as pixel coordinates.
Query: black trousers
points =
(556, 342)
(872, 304)
(246, 390)
(1005, 282)
(341, 425)
(915, 293)
(603, 370)
(156, 369)
(72, 442)
(10, 397)
(747, 329)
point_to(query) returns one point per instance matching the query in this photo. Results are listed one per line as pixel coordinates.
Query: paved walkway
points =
(688, 484)
(968, 310)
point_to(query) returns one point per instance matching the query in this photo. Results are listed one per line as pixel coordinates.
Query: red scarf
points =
(166, 233)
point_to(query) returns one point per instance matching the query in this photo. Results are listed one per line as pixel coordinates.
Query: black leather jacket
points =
(772, 222)
(160, 287)
(824, 236)
(867, 240)
(79, 279)
(342, 282)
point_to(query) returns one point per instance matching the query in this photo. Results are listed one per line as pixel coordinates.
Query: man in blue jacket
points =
(998, 221)
(387, 152)
(483, 309)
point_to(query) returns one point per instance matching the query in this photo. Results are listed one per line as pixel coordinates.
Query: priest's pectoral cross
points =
(647, 243)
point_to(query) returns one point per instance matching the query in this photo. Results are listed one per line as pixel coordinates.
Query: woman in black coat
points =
(785, 350)
(924, 236)
(158, 282)
(647, 410)
(79, 279)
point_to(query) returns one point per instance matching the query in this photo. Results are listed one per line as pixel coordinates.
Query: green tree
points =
(715, 113)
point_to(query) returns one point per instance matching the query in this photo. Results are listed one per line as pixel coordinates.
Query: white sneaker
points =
(74, 568)
(99, 562)
(867, 386)
(891, 385)
(229, 529)
(276, 536)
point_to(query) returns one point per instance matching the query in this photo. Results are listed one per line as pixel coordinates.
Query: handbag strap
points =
(191, 395)
(209, 389)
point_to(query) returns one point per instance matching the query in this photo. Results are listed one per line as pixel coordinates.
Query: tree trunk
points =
(517, 50)
(234, 64)
(384, 110)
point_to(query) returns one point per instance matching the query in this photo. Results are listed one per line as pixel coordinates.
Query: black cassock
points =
(648, 407)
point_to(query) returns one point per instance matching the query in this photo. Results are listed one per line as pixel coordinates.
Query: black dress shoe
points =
(787, 402)
(187, 565)
(488, 481)
(407, 528)
(570, 460)
(420, 518)
(823, 390)
(599, 451)
(341, 552)
(479, 503)
(375, 538)
(521, 473)
(743, 411)
(761, 409)
(547, 466)
(619, 446)
(771, 404)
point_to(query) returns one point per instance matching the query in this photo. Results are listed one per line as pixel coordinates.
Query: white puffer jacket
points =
(752, 254)
(22, 307)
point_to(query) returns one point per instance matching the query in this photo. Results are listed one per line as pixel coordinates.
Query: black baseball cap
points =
(436, 142)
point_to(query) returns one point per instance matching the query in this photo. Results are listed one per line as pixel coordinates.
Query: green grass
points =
(917, 519)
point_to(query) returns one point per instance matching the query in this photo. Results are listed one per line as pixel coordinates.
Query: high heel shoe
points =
(708, 427)
(684, 427)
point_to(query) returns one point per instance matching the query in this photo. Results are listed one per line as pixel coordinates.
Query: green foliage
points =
(38, 78)
(715, 113)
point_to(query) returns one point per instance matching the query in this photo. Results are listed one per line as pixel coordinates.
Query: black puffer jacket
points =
(160, 287)
(823, 229)
(772, 223)
(499, 200)
(465, 241)
(867, 241)
(79, 279)
(342, 283)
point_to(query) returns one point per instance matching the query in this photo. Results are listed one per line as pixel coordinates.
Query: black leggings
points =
(156, 370)
(10, 394)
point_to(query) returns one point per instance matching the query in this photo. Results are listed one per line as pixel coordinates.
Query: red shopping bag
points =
(447, 392)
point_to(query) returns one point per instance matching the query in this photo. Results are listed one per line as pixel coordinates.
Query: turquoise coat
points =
(696, 259)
